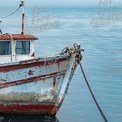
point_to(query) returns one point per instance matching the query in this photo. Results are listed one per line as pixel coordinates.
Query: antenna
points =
(23, 16)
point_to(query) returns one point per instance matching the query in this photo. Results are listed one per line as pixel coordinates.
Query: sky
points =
(49, 2)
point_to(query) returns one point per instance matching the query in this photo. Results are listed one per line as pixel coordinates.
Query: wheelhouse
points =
(16, 47)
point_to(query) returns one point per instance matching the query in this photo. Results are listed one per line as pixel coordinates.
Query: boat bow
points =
(38, 85)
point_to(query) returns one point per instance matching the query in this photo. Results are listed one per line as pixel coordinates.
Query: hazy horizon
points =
(50, 3)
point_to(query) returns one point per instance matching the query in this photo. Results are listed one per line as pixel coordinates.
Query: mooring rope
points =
(100, 110)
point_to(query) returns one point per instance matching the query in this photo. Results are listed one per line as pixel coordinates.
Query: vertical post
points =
(23, 16)
(0, 29)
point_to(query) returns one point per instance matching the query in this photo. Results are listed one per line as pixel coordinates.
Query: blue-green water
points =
(98, 30)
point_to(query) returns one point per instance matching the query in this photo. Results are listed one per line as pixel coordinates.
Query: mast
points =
(0, 29)
(23, 15)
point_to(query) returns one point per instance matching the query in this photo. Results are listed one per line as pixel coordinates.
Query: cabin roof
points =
(17, 37)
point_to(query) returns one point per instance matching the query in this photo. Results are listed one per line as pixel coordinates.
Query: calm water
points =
(98, 30)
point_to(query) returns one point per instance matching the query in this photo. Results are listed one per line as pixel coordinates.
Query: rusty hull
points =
(36, 86)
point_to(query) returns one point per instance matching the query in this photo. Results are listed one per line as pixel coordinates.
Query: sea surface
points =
(98, 29)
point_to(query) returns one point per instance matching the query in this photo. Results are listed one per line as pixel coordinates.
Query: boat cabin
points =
(16, 47)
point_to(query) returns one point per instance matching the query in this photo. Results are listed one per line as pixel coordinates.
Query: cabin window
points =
(5, 48)
(22, 47)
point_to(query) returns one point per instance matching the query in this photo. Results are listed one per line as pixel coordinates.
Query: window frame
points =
(8, 46)
(25, 49)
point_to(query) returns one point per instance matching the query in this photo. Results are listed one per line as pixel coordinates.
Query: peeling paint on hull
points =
(38, 85)
(29, 108)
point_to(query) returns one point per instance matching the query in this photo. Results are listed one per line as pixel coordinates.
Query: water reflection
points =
(26, 118)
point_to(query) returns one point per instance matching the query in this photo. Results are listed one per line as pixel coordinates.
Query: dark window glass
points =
(5, 48)
(22, 47)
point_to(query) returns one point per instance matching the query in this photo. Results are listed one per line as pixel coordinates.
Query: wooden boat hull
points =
(38, 85)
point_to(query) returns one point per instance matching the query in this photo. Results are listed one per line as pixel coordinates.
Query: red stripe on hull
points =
(31, 108)
(33, 79)
(27, 64)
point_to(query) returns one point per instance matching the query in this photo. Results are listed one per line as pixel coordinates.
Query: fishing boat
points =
(29, 84)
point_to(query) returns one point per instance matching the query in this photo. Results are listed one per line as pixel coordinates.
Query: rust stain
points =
(32, 79)
(53, 86)
(54, 83)
(73, 67)
(26, 64)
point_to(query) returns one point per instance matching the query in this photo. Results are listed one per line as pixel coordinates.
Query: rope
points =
(101, 112)
(21, 4)
(11, 13)
(65, 50)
